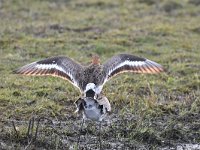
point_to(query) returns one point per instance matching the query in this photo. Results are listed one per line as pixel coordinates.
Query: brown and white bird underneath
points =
(93, 109)
(91, 79)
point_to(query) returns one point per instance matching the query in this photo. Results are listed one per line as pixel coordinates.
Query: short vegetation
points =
(148, 111)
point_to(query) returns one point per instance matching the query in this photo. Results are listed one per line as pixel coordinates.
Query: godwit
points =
(90, 79)
(94, 109)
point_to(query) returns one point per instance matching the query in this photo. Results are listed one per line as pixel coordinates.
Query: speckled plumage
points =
(96, 73)
(90, 79)
(99, 107)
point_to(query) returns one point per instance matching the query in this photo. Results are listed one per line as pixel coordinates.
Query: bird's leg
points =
(100, 144)
(80, 132)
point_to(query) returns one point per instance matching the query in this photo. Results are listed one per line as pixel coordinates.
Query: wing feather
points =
(129, 63)
(62, 67)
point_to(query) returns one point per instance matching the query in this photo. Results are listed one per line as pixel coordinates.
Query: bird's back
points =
(93, 73)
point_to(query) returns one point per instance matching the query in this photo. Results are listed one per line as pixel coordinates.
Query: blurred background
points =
(149, 111)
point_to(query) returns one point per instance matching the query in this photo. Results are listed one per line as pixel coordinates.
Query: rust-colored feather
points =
(95, 60)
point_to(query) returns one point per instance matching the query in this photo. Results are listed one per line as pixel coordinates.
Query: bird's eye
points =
(89, 106)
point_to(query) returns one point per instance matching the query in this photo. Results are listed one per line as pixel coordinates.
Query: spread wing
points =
(62, 67)
(129, 63)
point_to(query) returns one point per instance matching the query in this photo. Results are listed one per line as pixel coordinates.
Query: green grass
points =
(153, 110)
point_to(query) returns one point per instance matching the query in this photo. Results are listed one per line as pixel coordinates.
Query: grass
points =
(149, 111)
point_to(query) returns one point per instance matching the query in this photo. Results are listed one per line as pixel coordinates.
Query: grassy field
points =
(149, 111)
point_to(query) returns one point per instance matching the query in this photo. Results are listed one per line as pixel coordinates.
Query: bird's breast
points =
(93, 114)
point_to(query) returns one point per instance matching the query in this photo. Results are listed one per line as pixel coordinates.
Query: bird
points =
(94, 109)
(90, 79)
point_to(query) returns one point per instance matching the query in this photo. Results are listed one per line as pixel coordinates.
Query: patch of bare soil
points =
(117, 132)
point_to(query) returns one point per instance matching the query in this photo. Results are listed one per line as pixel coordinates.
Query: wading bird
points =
(90, 79)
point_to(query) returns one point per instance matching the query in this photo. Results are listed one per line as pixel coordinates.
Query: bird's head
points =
(95, 60)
